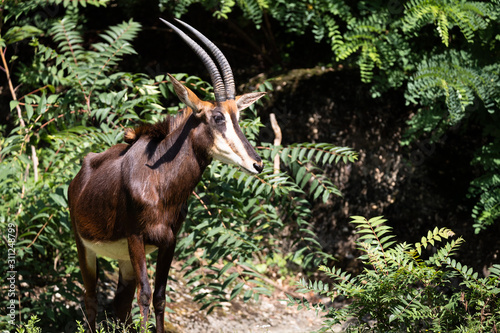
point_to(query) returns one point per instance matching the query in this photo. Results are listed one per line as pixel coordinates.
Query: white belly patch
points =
(114, 250)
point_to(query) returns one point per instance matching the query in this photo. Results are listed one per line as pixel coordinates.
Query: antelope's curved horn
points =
(218, 83)
(227, 73)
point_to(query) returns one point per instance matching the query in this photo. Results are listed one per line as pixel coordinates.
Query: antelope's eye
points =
(219, 118)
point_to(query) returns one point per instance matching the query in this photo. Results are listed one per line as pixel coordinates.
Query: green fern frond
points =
(373, 230)
(334, 34)
(485, 286)
(409, 292)
(433, 236)
(375, 240)
(302, 161)
(442, 78)
(445, 76)
(486, 188)
(403, 257)
(487, 210)
(14, 9)
(71, 53)
(368, 60)
(305, 286)
(69, 39)
(445, 14)
(362, 33)
(225, 7)
(88, 67)
(117, 45)
(346, 284)
(369, 38)
(444, 253)
(253, 9)
(118, 42)
(495, 271)
(410, 307)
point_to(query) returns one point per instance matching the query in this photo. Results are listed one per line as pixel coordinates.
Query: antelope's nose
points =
(258, 166)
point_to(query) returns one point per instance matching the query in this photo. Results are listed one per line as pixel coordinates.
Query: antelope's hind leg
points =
(88, 267)
(125, 292)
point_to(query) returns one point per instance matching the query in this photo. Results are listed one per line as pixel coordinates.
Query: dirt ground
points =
(268, 314)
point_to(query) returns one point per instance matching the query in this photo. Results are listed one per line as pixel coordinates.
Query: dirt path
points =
(269, 314)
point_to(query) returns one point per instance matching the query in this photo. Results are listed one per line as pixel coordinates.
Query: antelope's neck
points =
(178, 162)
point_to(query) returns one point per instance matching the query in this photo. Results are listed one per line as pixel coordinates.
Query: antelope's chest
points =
(114, 249)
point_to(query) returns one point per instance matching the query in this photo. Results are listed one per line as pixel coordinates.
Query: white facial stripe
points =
(229, 148)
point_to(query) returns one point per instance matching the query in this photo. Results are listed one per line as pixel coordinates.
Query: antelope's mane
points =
(157, 131)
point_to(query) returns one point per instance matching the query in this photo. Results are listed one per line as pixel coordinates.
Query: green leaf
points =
(236, 290)
(58, 199)
(17, 33)
(42, 105)
(13, 104)
(29, 111)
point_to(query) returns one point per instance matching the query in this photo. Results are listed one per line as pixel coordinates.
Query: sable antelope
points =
(130, 200)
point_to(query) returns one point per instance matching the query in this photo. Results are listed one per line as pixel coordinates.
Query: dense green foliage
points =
(73, 99)
(70, 97)
(403, 289)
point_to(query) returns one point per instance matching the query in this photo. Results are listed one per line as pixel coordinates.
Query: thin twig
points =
(40, 231)
(21, 120)
(277, 140)
(31, 93)
(59, 116)
(202, 202)
(11, 86)
(26, 174)
(34, 157)
(52, 160)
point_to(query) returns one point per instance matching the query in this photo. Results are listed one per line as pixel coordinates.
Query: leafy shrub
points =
(73, 99)
(405, 287)
(241, 216)
(30, 326)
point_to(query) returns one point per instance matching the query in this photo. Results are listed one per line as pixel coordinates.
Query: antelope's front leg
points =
(165, 255)
(138, 259)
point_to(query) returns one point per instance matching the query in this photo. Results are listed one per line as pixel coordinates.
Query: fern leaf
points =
(69, 39)
(468, 16)
(432, 236)
(495, 271)
(302, 160)
(253, 9)
(486, 188)
(117, 45)
(445, 76)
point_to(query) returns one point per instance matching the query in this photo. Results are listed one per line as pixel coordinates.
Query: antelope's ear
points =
(244, 101)
(186, 95)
